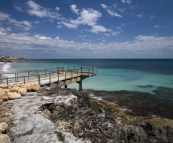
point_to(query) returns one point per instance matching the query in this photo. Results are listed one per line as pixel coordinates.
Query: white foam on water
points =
(6, 67)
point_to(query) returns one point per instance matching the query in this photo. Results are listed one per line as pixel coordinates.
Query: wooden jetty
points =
(60, 75)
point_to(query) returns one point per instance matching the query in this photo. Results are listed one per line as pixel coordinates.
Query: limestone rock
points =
(3, 127)
(13, 95)
(1, 92)
(1, 101)
(22, 91)
(14, 89)
(4, 138)
(27, 86)
(4, 97)
(4, 86)
(34, 87)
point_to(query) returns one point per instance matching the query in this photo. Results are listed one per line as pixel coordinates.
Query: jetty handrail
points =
(32, 70)
(50, 72)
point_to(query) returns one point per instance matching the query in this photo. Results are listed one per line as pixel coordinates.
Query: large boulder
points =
(1, 92)
(4, 138)
(4, 96)
(14, 89)
(34, 87)
(4, 86)
(22, 91)
(27, 86)
(13, 95)
(3, 127)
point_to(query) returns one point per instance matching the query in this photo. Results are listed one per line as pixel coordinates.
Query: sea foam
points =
(6, 67)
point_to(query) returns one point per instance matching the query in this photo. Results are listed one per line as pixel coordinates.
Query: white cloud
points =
(87, 17)
(25, 25)
(111, 11)
(36, 22)
(152, 17)
(74, 9)
(17, 7)
(140, 15)
(8, 29)
(59, 26)
(149, 45)
(156, 26)
(98, 28)
(2, 31)
(104, 6)
(69, 25)
(123, 1)
(37, 10)
(57, 8)
(126, 1)
(57, 37)
(42, 37)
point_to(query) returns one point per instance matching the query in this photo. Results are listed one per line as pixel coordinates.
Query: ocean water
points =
(143, 75)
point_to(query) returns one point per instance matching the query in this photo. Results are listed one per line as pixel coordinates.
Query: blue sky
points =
(86, 29)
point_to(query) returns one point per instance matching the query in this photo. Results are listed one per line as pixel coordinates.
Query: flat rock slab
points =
(30, 125)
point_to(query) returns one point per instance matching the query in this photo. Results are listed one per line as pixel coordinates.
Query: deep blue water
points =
(161, 66)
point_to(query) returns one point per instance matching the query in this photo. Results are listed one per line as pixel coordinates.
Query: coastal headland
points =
(6, 59)
(56, 115)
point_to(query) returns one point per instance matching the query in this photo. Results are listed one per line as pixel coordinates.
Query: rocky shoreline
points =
(66, 115)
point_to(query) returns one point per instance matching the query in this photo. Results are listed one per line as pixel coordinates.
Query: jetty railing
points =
(51, 75)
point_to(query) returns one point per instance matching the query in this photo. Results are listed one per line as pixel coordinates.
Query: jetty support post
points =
(7, 80)
(81, 70)
(80, 85)
(39, 82)
(24, 79)
(49, 79)
(28, 74)
(0, 78)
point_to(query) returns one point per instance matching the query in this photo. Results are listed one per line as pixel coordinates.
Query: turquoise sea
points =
(143, 75)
